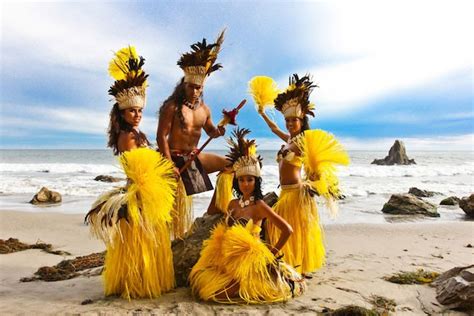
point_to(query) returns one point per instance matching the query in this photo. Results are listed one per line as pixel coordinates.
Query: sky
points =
(386, 70)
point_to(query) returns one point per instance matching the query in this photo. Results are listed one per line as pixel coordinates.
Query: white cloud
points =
(377, 49)
(75, 35)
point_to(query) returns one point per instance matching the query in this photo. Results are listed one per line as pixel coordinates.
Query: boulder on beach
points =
(45, 196)
(186, 251)
(421, 193)
(455, 288)
(467, 205)
(452, 200)
(105, 178)
(409, 204)
(396, 156)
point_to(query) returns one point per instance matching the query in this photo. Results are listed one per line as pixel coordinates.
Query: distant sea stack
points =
(396, 156)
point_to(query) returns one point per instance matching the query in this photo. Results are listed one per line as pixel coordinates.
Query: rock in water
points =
(421, 193)
(396, 156)
(408, 204)
(455, 288)
(105, 178)
(467, 205)
(452, 200)
(45, 196)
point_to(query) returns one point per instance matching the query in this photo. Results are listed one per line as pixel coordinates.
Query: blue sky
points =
(386, 69)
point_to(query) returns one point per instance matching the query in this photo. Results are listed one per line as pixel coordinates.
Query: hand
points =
(273, 250)
(176, 172)
(220, 130)
(193, 153)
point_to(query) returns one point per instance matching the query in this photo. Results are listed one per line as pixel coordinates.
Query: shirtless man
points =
(183, 116)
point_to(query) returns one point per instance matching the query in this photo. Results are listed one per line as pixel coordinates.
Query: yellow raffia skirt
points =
(133, 222)
(236, 257)
(182, 213)
(224, 190)
(305, 249)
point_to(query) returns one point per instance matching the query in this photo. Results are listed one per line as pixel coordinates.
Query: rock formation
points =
(408, 204)
(105, 178)
(455, 288)
(467, 205)
(396, 156)
(45, 196)
(452, 200)
(421, 193)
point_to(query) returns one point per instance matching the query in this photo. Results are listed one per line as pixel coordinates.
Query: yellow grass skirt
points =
(236, 256)
(182, 212)
(304, 250)
(133, 221)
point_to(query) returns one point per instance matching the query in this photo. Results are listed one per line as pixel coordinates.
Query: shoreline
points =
(358, 256)
(353, 210)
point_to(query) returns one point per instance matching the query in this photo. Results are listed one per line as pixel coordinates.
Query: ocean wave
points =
(59, 168)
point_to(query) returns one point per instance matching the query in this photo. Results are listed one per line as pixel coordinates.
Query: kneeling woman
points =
(236, 265)
(133, 220)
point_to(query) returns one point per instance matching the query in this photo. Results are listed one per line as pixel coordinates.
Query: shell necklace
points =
(245, 203)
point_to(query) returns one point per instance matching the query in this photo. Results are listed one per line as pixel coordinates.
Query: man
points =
(183, 116)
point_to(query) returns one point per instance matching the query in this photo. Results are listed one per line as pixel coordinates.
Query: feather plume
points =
(203, 54)
(321, 153)
(126, 69)
(240, 147)
(263, 90)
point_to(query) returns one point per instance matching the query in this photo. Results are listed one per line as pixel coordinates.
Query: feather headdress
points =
(200, 62)
(294, 101)
(243, 154)
(130, 79)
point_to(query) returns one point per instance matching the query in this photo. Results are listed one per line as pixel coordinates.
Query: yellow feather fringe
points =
(236, 256)
(264, 91)
(320, 153)
(224, 190)
(139, 261)
(118, 66)
(305, 249)
(182, 212)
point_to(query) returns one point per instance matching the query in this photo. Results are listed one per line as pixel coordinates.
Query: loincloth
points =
(194, 178)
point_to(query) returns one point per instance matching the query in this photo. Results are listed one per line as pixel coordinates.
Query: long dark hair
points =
(257, 191)
(118, 124)
(179, 98)
(304, 124)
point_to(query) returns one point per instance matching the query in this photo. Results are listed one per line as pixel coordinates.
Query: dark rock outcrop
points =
(396, 156)
(105, 178)
(467, 205)
(452, 200)
(186, 251)
(408, 204)
(45, 196)
(421, 193)
(455, 288)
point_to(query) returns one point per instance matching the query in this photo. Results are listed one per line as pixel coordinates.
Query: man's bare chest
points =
(194, 118)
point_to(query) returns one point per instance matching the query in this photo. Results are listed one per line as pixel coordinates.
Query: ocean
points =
(366, 187)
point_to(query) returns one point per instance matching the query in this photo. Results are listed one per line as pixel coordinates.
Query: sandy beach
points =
(359, 256)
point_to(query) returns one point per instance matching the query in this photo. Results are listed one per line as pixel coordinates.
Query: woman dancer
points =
(133, 220)
(315, 150)
(236, 265)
